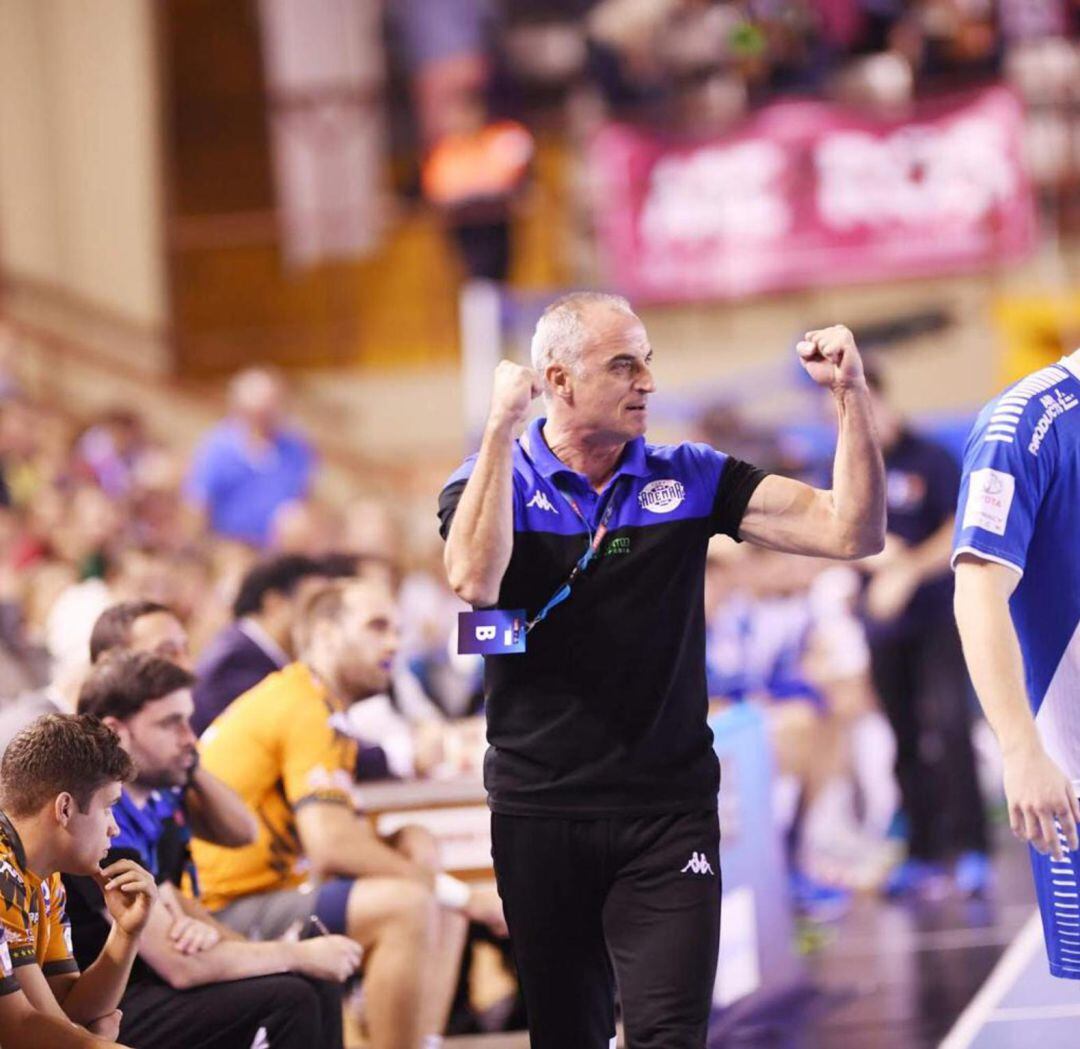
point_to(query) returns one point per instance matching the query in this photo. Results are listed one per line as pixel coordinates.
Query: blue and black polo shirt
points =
(605, 712)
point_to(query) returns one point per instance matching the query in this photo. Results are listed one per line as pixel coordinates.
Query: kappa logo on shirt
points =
(697, 864)
(542, 502)
(661, 497)
(990, 496)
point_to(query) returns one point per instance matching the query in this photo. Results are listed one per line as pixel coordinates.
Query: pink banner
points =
(807, 193)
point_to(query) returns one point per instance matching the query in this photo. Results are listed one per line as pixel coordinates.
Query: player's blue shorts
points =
(1057, 886)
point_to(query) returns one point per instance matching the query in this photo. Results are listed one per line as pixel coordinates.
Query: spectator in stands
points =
(87, 539)
(142, 626)
(307, 528)
(251, 463)
(917, 663)
(59, 780)
(147, 702)
(371, 529)
(211, 810)
(473, 175)
(109, 451)
(259, 640)
(280, 747)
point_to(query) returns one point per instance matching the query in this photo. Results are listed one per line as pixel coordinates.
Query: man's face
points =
(365, 642)
(90, 833)
(607, 391)
(261, 402)
(160, 740)
(162, 635)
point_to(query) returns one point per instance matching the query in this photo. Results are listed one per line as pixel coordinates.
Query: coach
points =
(601, 775)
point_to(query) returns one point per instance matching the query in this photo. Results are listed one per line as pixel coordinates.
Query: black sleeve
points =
(737, 483)
(448, 500)
(90, 922)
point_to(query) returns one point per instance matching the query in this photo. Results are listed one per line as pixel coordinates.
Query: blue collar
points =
(548, 464)
(149, 818)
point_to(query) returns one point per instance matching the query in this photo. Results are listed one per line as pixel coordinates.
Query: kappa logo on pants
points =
(262, 1039)
(697, 864)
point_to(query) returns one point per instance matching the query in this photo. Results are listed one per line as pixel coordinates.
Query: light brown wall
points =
(79, 145)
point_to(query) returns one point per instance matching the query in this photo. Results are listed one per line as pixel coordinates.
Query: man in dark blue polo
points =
(601, 774)
(259, 640)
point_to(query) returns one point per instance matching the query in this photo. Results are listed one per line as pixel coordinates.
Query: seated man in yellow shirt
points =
(316, 858)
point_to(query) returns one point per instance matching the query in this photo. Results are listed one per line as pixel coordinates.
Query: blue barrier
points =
(758, 966)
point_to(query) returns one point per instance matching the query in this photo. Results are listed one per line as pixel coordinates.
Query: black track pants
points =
(265, 1012)
(595, 902)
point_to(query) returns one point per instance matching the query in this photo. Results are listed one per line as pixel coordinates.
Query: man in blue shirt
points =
(250, 465)
(1017, 602)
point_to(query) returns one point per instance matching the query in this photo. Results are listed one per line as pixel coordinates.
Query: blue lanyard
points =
(595, 540)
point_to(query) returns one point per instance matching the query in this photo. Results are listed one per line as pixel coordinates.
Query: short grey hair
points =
(561, 334)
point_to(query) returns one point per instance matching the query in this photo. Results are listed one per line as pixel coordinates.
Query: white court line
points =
(1038, 1012)
(1009, 967)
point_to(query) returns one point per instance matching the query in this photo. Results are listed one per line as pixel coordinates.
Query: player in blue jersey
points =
(1017, 560)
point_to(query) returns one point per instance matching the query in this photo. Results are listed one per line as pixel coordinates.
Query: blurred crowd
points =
(486, 78)
(100, 511)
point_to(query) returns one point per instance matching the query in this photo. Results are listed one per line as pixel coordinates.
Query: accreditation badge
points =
(494, 632)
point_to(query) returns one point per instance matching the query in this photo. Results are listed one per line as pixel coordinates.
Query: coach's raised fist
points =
(515, 387)
(831, 357)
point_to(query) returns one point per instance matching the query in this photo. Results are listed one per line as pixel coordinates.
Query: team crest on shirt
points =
(661, 497)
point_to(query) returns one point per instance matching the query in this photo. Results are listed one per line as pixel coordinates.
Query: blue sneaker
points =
(815, 900)
(914, 878)
(973, 875)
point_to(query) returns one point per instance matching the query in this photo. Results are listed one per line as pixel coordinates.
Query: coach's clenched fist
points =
(831, 357)
(514, 390)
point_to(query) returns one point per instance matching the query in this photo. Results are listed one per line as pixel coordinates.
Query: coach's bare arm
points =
(849, 521)
(1036, 790)
(481, 537)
